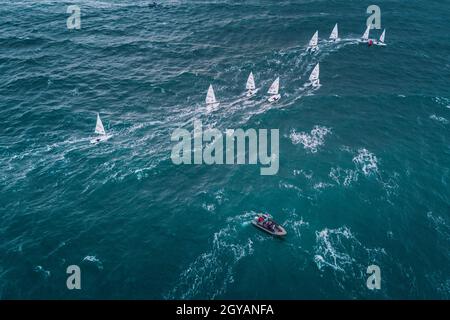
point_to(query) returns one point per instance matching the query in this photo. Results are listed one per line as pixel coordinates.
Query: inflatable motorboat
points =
(266, 223)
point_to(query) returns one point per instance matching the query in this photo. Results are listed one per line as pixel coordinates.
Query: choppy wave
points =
(331, 250)
(439, 119)
(310, 141)
(339, 251)
(366, 162)
(93, 260)
(64, 199)
(213, 271)
(45, 274)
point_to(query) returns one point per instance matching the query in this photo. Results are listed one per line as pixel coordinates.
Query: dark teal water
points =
(364, 160)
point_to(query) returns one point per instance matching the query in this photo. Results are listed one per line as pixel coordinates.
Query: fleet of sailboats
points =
(250, 86)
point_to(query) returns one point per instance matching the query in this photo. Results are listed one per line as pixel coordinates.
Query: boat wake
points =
(210, 274)
(339, 251)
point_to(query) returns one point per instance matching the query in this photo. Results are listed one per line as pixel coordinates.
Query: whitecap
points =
(209, 207)
(366, 162)
(94, 260)
(440, 119)
(322, 185)
(308, 175)
(342, 176)
(339, 250)
(45, 274)
(329, 249)
(310, 141)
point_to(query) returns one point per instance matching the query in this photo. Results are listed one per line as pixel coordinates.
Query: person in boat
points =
(370, 42)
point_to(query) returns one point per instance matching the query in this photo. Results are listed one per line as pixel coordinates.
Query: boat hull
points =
(274, 98)
(279, 233)
(251, 93)
(100, 139)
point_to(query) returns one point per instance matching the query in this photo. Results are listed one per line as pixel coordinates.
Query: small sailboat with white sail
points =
(314, 76)
(273, 91)
(313, 43)
(381, 42)
(365, 36)
(250, 85)
(334, 36)
(211, 102)
(100, 131)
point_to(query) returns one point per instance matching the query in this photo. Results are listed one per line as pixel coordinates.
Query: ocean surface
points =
(364, 174)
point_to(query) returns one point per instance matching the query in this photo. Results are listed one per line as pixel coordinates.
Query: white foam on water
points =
(338, 251)
(93, 260)
(297, 225)
(321, 185)
(209, 207)
(328, 246)
(220, 197)
(210, 274)
(310, 141)
(366, 162)
(45, 274)
(442, 101)
(342, 176)
(308, 175)
(289, 186)
(438, 118)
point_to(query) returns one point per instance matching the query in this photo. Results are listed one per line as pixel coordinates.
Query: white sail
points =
(382, 36)
(274, 87)
(314, 40)
(99, 126)
(250, 82)
(365, 36)
(334, 34)
(314, 74)
(210, 96)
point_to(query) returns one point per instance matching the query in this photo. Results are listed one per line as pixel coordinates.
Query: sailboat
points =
(334, 36)
(250, 86)
(381, 41)
(273, 91)
(312, 46)
(100, 131)
(314, 77)
(365, 36)
(211, 102)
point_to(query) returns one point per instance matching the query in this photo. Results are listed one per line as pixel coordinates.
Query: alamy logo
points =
(190, 150)
(374, 280)
(374, 20)
(74, 280)
(74, 20)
